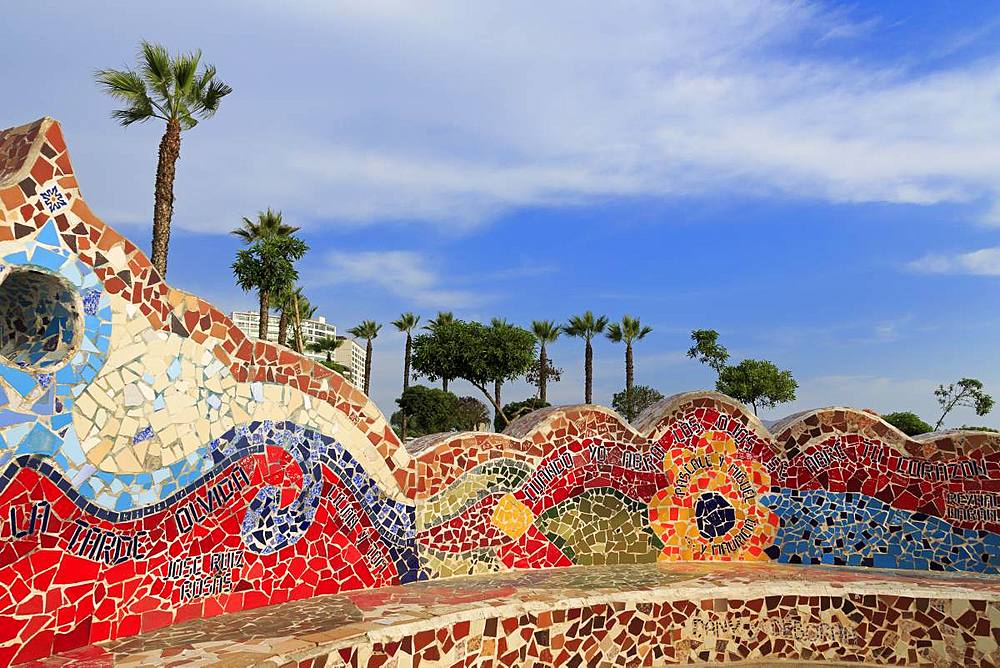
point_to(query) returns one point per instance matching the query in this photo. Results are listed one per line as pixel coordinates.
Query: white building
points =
(350, 354)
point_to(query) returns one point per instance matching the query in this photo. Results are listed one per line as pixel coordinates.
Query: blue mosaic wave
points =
(850, 529)
(266, 528)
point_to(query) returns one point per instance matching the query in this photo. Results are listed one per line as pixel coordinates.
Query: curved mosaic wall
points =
(156, 465)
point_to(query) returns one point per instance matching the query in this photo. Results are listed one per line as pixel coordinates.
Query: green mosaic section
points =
(601, 526)
(497, 476)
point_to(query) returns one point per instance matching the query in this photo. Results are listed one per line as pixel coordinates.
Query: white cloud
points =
(455, 112)
(406, 274)
(983, 262)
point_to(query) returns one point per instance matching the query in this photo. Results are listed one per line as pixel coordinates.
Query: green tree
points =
(367, 330)
(471, 413)
(327, 345)
(479, 354)
(427, 410)
(268, 266)
(707, 350)
(908, 423)
(967, 392)
(517, 409)
(174, 91)
(441, 319)
(758, 383)
(628, 331)
(268, 225)
(553, 374)
(641, 398)
(546, 332)
(407, 322)
(586, 327)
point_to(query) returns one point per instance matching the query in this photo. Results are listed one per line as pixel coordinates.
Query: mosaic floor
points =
(599, 616)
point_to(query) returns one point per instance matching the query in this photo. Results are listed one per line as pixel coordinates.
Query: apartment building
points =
(350, 354)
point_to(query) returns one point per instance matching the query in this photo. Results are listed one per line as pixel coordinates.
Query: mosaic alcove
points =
(157, 466)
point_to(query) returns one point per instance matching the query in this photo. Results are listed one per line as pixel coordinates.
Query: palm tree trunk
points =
(265, 305)
(588, 373)
(543, 362)
(283, 328)
(298, 324)
(163, 194)
(406, 375)
(629, 373)
(368, 366)
(406, 362)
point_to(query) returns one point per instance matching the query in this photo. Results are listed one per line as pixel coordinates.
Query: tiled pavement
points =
(534, 618)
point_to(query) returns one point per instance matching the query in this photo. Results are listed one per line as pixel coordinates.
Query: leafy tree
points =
(172, 90)
(628, 331)
(407, 322)
(967, 392)
(442, 318)
(435, 355)
(707, 350)
(427, 410)
(966, 427)
(546, 332)
(758, 383)
(479, 354)
(268, 266)
(518, 409)
(269, 224)
(641, 398)
(328, 344)
(908, 423)
(367, 330)
(553, 374)
(586, 327)
(470, 414)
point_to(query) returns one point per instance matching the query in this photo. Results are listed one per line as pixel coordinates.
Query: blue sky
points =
(819, 182)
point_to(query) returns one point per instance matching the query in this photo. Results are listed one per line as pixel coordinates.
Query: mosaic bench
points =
(158, 467)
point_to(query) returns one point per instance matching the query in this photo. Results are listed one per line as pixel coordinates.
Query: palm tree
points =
(268, 266)
(172, 90)
(545, 331)
(367, 330)
(406, 323)
(328, 344)
(442, 318)
(269, 224)
(300, 309)
(586, 327)
(629, 331)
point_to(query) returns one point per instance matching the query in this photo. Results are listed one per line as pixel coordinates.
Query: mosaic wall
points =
(157, 466)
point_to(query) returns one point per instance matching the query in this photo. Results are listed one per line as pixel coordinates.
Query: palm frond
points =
(184, 69)
(156, 69)
(124, 85)
(210, 97)
(134, 114)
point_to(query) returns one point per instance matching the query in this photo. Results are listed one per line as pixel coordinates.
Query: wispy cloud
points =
(453, 114)
(406, 274)
(983, 262)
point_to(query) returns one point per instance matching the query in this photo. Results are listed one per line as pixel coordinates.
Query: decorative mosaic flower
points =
(710, 509)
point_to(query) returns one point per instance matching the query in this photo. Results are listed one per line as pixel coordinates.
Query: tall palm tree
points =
(546, 332)
(172, 90)
(328, 344)
(407, 322)
(586, 327)
(442, 318)
(628, 331)
(367, 330)
(268, 224)
(300, 309)
(268, 266)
